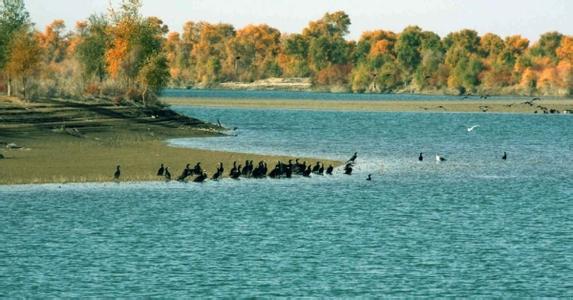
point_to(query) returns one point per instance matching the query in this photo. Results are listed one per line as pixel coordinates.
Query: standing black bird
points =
(197, 170)
(201, 178)
(161, 171)
(329, 170)
(421, 157)
(348, 169)
(219, 173)
(504, 157)
(167, 175)
(117, 173)
(369, 177)
(186, 173)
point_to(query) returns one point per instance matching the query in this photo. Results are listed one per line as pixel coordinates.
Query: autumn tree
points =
(24, 58)
(134, 40)
(54, 41)
(565, 66)
(13, 19)
(211, 53)
(374, 50)
(254, 51)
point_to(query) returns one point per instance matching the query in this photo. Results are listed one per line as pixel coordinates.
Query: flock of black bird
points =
(281, 170)
(249, 170)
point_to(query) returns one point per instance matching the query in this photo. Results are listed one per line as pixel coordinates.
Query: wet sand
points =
(525, 105)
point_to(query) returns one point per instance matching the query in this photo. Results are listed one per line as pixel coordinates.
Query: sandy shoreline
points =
(64, 144)
(524, 105)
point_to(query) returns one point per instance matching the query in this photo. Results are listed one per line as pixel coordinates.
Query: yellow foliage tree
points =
(25, 58)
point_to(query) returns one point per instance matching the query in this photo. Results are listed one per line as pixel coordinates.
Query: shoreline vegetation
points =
(62, 141)
(127, 57)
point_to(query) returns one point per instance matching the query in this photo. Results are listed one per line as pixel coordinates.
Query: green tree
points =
(547, 46)
(92, 45)
(153, 76)
(408, 48)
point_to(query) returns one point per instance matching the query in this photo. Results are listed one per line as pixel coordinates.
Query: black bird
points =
(348, 169)
(161, 171)
(369, 177)
(197, 170)
(201, 178)
(504, 157)
(329, 170)
(167, 174)
(219, 173)
(307, 172)
(321, 170)
(316, 168)
(237, 173)
(117, 173)
(186, 173)
(233, 170)
(353, 158)
(421, 157)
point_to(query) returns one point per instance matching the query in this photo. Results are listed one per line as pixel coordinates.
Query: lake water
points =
(471, 226)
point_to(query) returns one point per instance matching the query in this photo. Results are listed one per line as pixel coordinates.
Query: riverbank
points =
(524, 105)
(56, 141)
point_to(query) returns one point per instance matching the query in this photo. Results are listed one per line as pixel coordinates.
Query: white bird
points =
(439, 158)
(472, 128)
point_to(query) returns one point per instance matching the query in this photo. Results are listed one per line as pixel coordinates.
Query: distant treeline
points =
(124, 55)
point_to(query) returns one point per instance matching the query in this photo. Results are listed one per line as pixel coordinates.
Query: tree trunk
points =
(24, 88)
(9, 86)
(143, 96)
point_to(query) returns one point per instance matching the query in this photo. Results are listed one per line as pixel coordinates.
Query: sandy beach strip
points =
(524, 105)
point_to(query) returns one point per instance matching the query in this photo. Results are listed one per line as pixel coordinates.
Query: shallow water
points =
(471, 226)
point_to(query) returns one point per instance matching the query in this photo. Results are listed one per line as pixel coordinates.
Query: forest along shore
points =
(525, 105)
(57, 141)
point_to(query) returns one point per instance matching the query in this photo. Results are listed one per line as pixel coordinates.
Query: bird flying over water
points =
(472, 128)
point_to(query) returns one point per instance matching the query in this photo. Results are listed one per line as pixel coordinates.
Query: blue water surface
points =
(473, 226)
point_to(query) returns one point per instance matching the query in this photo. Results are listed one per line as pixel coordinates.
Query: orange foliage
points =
(381, 47)
(334, 75)
(118, 53)
(377, 35)
(548, 79)
(114, 56)
(528, 79)
(565, 50)
(517, 43)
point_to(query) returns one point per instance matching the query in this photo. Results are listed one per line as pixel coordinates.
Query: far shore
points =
(59, 141)
(517, 105)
